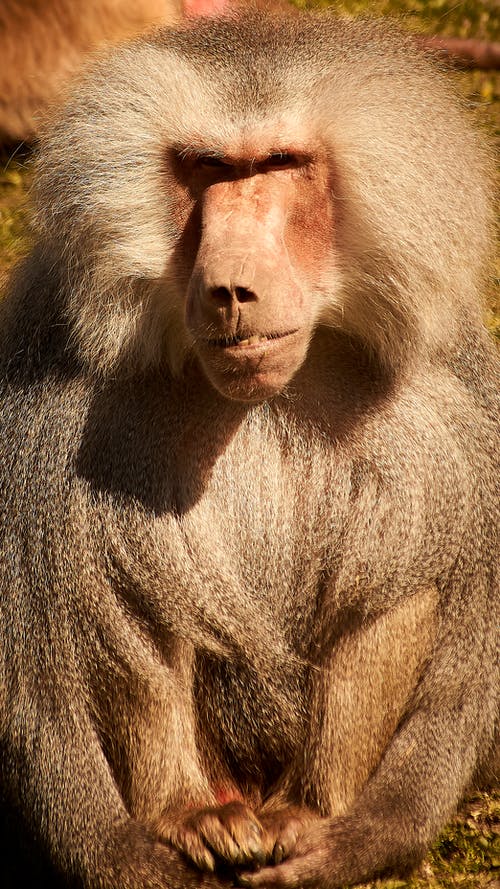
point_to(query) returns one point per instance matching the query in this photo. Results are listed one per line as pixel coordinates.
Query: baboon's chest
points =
(270, 516)
(259, 543)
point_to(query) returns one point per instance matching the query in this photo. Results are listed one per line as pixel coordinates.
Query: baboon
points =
(248, 467)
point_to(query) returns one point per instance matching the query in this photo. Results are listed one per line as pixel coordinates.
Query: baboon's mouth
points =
(255, 339)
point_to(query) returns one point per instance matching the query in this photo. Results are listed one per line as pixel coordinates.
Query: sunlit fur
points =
(413, 228)
(294, 603)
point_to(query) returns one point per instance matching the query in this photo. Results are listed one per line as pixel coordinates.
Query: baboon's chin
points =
(255, 372)
(249, 388)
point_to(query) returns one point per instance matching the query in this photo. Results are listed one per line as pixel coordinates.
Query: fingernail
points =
(278, 853)
(258, 854)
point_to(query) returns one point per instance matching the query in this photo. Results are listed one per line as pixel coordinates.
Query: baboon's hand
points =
(282, 829)
(308, 865)
(230, 834)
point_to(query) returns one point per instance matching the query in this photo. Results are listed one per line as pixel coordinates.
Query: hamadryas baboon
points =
(248, 467)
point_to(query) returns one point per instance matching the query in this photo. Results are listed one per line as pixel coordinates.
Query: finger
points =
(287, 840)
(219, 840)
(295, 874)
(236, 846)
(195, 849)
(268, 878)
(191, 845)
(248, 835)
(235, 834)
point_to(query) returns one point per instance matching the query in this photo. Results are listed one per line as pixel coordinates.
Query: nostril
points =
(244, 296)
(224, 296)
(221, 295)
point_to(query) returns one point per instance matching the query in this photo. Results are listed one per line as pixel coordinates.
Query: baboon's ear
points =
(192, 8)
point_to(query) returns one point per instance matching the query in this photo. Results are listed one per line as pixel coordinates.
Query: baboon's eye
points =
(212, 160)
(280, 159)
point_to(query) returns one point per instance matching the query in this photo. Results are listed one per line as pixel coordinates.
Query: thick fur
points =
(397, 234)
(293, 602)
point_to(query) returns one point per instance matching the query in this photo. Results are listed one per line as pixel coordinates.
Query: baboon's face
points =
(257, 231)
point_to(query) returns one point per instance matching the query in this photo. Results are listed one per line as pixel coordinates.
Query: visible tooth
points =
(249, 341)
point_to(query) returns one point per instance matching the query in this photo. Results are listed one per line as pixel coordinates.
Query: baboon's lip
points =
(249, 341)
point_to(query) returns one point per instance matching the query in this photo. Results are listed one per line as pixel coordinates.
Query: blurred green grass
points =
(466, 856)
(14, 185)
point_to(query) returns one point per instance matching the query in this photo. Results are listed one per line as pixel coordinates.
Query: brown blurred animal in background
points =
(43, 44)
(249, 467)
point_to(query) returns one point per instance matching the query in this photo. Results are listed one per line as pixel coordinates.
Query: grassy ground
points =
(14, 184)
(468, 853)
